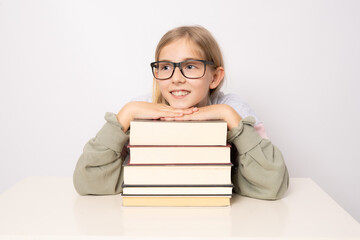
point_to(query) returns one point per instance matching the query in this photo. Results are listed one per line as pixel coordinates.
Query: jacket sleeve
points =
(99, 168)
(259, 169)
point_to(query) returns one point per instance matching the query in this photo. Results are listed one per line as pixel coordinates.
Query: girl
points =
(188, 73)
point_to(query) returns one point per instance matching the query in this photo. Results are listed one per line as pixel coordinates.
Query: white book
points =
(200, 174)
(156, 132)
(179, 154)
(177, 190)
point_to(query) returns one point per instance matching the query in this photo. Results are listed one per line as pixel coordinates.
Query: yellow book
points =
(176, 201)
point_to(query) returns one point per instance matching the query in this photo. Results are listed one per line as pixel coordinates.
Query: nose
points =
(178, 77)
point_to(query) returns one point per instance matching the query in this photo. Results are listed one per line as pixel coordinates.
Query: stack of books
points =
(177, 163)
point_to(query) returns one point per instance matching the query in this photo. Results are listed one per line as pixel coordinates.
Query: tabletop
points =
(50, 208)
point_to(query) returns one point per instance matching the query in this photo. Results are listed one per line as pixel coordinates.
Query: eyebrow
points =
(180, 61)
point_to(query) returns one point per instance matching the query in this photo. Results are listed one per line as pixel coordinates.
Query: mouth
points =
(180, 93)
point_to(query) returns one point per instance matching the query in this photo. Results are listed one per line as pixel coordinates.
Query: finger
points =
(167, 119)
(187, 110)
(184, 118)
(172, 114)
(169, 115)
(192, 110)
(174, 110)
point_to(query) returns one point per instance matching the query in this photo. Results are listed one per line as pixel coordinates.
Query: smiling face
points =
(179, 91)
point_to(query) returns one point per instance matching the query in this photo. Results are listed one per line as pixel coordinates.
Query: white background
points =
(63, 64)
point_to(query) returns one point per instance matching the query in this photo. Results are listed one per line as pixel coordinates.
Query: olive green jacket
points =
(259, 169)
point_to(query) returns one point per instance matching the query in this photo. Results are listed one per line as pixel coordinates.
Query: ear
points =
(218, 76)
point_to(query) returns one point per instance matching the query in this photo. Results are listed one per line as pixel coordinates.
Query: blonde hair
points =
(203, 39)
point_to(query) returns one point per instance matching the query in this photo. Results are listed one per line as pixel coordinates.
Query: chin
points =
(180, 105)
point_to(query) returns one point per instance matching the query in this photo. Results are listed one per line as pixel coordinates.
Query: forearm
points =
(230, 116)
(125, 116)
(214, 112)
(99, 168)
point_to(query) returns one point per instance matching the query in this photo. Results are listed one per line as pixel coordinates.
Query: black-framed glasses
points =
(192, 69)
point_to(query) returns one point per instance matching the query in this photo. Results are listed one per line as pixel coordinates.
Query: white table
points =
(49, 208)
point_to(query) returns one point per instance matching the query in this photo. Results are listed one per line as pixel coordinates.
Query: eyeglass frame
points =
(178, 64)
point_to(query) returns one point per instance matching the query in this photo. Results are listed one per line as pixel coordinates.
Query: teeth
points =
(180, 93)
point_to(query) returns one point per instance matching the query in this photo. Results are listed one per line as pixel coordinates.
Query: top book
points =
(185, 133)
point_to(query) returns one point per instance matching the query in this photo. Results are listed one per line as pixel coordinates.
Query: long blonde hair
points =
(203, 39)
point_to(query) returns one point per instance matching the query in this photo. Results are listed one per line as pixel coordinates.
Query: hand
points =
(213, 112)
(146, 110)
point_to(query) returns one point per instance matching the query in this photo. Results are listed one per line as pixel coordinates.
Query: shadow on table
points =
(105, 215)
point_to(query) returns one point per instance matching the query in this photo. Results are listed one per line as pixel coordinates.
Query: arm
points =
(260, 170)
(99, 168)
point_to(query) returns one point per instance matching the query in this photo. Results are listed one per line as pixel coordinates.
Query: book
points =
(177, 174)
(175, 201)
(179, 154)
(188, 190)
(177, 163)
(156, 132)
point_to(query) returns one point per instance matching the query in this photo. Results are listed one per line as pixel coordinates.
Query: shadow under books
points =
(105, 215)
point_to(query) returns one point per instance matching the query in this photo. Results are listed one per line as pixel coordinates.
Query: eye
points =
(190, 67)
(165, 67)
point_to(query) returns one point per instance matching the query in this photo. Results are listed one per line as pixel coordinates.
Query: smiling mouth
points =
(180, 93)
